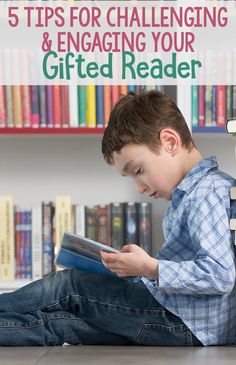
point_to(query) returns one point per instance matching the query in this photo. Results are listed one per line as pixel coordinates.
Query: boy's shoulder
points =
(216, 181)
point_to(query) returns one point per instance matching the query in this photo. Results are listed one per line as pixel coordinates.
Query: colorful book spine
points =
(42, 106)
(35, 114)
(73, 106)
(18, 264)
(123, 90)
(17, 106)
(47, 237)
(228, 101)
(63, 221)
(114, 95)
(208, 105)
(117, 225)
(213, 105)
(100, 106)
(220, 105)
(107, 103)
(56, 106)
(201, 105)
(7, 244)
(49, 105)
(131, 223)
(80, 219)
(145, 226)
(37, 247)
(103, 224)
(2, 107)
(26, 105)
(194, 90)
(26, 218)
(65, 106)
(91, 107)
(91, 222)
(82, 102)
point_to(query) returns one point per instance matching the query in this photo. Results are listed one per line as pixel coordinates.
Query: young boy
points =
(183, 297)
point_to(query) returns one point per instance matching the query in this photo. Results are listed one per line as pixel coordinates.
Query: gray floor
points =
(109, 355)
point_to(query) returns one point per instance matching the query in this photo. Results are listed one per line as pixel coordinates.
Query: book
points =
(7, 244)
(82, 253)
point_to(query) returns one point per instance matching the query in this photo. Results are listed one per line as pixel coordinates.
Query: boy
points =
(183, 297)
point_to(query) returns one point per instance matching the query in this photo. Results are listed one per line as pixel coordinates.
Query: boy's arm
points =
(211, 265)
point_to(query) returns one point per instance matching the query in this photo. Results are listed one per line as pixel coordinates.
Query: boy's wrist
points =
(152, 269)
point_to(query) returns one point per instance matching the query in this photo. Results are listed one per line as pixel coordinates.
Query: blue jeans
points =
(82, 308)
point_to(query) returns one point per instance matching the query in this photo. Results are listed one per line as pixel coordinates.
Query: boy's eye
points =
(138, 172)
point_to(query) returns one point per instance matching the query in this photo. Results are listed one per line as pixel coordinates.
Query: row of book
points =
(40, 106)
(213, 105)
(30, 238)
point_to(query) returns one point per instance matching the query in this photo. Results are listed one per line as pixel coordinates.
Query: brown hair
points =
(139, 119)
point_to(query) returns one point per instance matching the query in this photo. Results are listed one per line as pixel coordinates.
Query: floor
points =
(110, 355)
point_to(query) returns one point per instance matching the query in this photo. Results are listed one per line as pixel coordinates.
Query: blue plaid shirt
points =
(197, 261)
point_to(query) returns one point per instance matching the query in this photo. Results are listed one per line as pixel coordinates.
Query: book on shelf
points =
(82, 253)
(60, 106)
(31, 237)
(212, 105)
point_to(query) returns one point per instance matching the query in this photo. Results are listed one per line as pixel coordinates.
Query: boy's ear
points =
(170, 140)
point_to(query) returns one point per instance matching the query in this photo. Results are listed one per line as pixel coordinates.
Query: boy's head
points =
(148, 139)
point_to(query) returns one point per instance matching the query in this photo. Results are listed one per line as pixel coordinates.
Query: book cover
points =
(83, 254)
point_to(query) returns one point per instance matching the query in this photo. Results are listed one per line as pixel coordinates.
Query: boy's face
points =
(155, 173)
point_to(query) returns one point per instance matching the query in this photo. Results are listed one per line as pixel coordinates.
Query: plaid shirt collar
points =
(193, 176)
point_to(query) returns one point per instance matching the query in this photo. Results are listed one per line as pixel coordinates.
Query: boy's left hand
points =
(132, 260)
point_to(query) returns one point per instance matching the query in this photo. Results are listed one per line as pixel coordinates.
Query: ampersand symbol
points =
(47, 43)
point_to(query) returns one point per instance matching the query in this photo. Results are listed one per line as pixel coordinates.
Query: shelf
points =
(51, 131)
(209, 130)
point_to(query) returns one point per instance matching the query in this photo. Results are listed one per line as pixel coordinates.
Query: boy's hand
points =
(132, 260)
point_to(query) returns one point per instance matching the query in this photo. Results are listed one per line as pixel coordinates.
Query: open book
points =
(83, 254)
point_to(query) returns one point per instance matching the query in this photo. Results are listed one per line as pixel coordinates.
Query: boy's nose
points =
(142, 188)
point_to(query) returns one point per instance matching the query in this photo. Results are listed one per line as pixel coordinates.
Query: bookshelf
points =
(36, 167)
(51, 131)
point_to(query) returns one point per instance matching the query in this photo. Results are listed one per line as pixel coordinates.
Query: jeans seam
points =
(41, 322)
(106, 304)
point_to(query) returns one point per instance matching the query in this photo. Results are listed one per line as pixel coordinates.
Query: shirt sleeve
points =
(211, 270)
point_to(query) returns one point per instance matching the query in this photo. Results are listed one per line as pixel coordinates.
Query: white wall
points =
(36, 168)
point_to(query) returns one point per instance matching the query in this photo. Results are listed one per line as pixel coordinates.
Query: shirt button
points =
(174, 215)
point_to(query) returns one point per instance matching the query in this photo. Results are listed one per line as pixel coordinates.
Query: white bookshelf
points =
(40, 167)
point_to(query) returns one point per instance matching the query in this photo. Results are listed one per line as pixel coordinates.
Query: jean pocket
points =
(153, 334)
